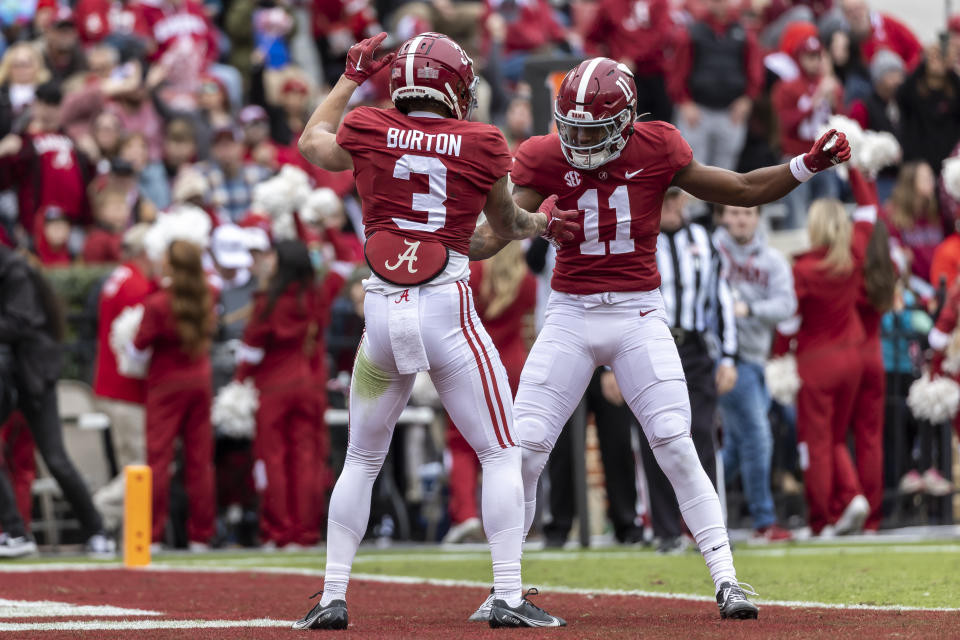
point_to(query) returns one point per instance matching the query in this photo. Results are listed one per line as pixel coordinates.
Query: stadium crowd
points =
(119, 117)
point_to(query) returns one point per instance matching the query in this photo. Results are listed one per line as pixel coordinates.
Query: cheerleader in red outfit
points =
(829, 336)
(878, 279)
(279, 348)
(941, 337)
(177, 324)
(506, 296)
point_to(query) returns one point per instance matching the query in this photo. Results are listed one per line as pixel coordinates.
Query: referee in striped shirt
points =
(699, 307)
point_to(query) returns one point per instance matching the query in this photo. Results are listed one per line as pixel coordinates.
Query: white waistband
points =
(608, 298)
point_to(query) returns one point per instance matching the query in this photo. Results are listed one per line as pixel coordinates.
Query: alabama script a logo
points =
(409, 257)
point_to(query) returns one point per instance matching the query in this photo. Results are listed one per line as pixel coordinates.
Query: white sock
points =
(349, 513)
(533, 464)
(502, 507)
(699, 505)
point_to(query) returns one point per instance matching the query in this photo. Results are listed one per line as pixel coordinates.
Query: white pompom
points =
(282, 194)
(878, 150)
(951, 177)
(782, 378)
(935, 401)
(122, 332)
(181, 222)
(284, 227)
(319, 204)
(234, 410)
(870, 151)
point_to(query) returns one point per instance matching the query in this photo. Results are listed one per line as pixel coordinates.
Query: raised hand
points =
(360, 62)
(831, 149)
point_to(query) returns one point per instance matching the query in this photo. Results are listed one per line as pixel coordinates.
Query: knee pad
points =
(668, 426)
(534, 434)
(676, 456)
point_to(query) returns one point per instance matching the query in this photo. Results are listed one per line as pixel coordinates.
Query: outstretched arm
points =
(761, 186)
(318, 143)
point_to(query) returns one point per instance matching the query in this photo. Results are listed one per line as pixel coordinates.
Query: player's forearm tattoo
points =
(485, 243)
(526, 224)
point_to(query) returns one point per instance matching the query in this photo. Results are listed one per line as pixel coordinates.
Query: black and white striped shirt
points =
(696, 296)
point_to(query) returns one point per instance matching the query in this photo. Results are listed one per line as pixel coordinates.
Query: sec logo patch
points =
(572, 178)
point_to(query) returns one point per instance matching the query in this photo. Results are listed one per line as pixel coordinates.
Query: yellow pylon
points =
(137, 501)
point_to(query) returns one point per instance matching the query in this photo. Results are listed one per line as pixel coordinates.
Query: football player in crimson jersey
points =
(424, 173)
(605, 307)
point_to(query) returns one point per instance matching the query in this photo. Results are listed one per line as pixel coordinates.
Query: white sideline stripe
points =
(438, 582)
(141, 625)
(51, 609)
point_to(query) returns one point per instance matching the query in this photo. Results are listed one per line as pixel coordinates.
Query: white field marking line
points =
(447, 556)
(51, 609)
(438, 582)
(140, 625)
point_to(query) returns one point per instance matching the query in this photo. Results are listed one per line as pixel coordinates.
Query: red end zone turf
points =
(380, 610)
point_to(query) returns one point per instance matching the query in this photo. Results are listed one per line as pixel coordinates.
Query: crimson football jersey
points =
(615, 250)
(424, 178)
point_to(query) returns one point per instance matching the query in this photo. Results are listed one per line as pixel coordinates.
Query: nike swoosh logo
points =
(629, 174)
(643, 313)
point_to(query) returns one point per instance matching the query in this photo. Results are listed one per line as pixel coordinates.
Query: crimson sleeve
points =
(254, 338)
(522, 172)
(498, 161)
(858, 112)
(149, 326)
(350, 132)
(676, 150)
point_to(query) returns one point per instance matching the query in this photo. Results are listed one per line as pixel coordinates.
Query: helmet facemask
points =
(588, 143)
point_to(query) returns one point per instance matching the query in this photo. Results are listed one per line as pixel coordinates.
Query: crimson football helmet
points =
(595, 109)
(431, 65)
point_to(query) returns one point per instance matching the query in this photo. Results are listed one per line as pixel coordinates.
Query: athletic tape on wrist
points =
(799, 169)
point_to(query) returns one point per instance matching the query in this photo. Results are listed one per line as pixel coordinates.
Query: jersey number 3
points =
(431, 202)
(619, 201)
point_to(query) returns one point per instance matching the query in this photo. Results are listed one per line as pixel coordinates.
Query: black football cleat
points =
(526, 614)
(332, 616)
(733, 603)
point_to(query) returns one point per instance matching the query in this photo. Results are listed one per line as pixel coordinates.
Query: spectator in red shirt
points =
(804, 105)
(177, 324)
(638, 33)
(913, 217)
(98, 20)
(43, 163)
(519, 28)
(118, 396)
(51, 236)
(111, 215)
(874, 31)
(717, 74)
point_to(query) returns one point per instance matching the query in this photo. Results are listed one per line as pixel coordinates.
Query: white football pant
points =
(629, 332)
(472, 383)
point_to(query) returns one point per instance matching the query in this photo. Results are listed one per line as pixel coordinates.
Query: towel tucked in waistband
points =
(405, 338)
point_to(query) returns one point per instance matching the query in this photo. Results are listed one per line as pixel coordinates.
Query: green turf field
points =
(920, 575)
